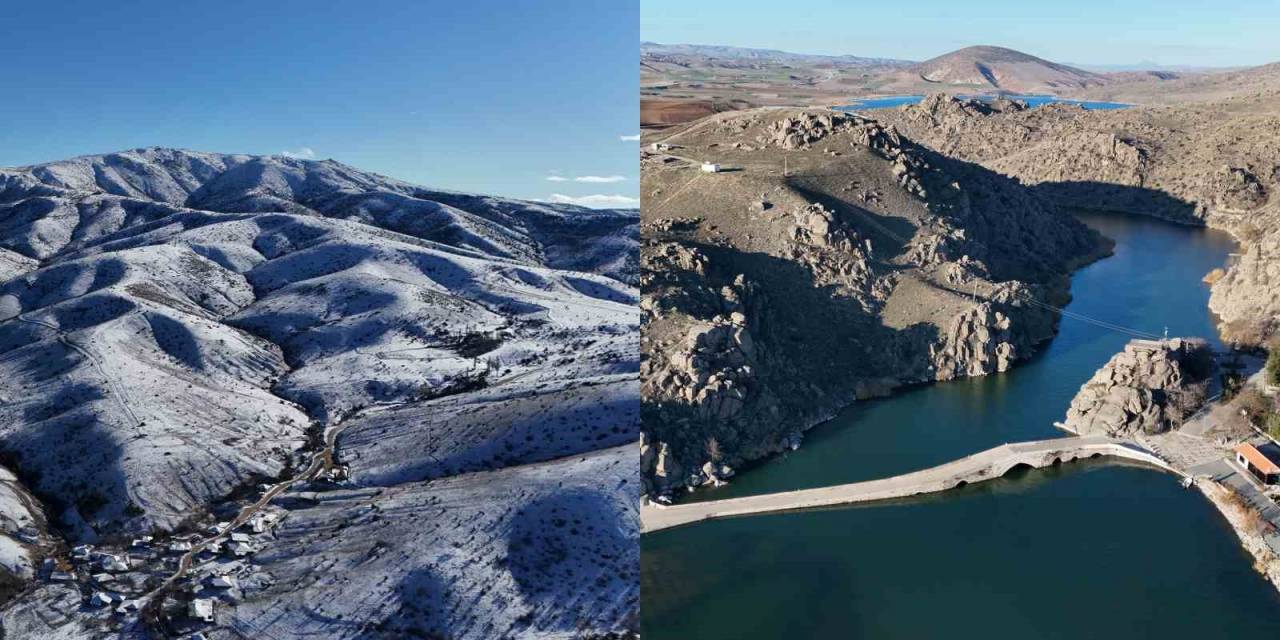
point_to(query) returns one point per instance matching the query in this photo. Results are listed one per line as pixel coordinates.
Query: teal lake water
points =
(1091, 549)
(1032, 100)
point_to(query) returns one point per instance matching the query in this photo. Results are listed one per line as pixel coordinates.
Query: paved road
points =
(1228, 474)
(979, 467)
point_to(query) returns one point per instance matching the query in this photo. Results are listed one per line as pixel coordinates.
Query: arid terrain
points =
(834, 257)
(298, 399)
(1211, 163)
(683, 82)
(829, 259)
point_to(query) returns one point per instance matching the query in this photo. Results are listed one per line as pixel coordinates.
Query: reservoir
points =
(1090, 549)
(1033, 100)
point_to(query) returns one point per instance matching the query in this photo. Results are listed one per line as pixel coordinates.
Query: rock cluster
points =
(1149, 387)
(799, 131)
(977, 342)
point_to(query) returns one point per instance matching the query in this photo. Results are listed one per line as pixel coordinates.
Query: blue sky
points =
(1091, 32)
(487, 96)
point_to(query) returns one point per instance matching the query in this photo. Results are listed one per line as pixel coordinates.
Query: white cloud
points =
(599, 179)
(631, 138)
(305, 153)
(598, 200)
(588, 179)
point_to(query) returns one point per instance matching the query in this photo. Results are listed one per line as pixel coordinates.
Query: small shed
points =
(1259, 461)
(110, 562)
(710, 167)
(201, 609)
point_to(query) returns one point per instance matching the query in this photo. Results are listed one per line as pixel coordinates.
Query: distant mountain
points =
(1253, 82)
(732, 56)
(179, 329)
(998, 68)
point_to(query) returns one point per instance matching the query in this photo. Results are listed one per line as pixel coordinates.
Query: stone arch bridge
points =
(985, 465)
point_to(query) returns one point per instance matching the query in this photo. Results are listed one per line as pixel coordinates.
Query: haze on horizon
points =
(1147, 33)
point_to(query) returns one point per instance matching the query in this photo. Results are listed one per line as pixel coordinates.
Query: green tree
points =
(1273, 364)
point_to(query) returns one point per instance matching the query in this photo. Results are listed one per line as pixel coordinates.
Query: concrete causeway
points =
(979, 467)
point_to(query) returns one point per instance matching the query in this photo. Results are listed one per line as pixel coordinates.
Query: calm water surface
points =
(1088, 550)
(1032, 100)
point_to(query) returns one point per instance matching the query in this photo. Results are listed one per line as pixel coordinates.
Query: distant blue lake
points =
(1032, 100)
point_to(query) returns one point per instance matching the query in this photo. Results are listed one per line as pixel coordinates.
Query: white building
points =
(240, 549)
(201, 609)
(710, 167)
(222, 582)
(114, 563)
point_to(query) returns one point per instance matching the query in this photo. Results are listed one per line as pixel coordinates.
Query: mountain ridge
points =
(178, 328)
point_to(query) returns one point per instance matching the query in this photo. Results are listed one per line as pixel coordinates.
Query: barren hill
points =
(1251, 84)
(831, 259)
(989, 68)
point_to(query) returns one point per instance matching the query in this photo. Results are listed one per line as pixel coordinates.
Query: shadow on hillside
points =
(1102, 196)
(815, 344)
(71, 461)
(571, 559)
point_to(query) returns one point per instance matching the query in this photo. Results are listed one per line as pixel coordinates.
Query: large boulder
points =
(1150, 387)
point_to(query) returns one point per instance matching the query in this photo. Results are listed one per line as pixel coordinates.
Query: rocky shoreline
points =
(1244, 522)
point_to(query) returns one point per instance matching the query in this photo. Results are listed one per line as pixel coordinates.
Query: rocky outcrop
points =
(838, 261)
(1149, 387)
(1247, 295)
(800, 131)
(977, 342)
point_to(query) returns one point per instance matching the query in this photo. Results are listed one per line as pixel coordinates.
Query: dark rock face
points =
(1149, 387)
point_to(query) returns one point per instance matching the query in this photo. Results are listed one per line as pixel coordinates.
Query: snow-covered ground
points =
(176, 326)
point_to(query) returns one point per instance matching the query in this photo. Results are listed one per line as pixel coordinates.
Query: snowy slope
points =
(176, 327)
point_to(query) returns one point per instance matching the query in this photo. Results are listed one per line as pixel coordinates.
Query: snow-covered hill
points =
(178, 327)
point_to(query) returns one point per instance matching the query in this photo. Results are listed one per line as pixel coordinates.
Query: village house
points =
(222, 582)
(110, 562)
(201, 609)
(1260, 461)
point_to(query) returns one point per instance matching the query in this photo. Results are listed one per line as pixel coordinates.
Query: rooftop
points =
(1263, 457)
